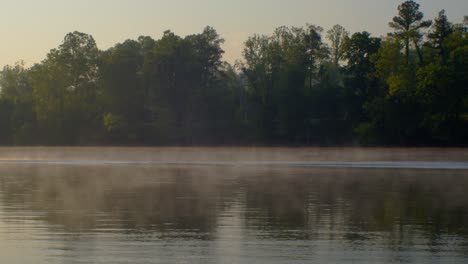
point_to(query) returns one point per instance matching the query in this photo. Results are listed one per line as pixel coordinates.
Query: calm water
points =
(118, 205)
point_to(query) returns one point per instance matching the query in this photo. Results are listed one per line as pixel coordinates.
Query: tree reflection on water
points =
(395, 207)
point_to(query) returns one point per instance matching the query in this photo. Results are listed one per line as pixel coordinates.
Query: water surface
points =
(143, 205)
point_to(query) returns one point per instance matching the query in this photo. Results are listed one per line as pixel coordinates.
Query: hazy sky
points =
(30, 28)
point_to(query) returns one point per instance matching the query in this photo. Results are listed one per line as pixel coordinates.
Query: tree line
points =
(297, 86)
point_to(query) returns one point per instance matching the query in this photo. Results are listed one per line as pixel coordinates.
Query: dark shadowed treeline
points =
(299, 86)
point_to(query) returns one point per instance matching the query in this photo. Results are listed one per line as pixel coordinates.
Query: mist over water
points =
(203, 213)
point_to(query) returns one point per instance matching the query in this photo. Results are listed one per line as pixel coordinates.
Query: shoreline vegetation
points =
(299, 86)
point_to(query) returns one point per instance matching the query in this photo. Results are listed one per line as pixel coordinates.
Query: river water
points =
(233, 205)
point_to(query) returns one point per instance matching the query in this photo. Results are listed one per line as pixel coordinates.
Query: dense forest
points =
(297, 86)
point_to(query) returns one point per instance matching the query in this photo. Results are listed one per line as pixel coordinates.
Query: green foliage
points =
(6, 131)
(283, 77)
(361, 84)
(291, 87)
(65, 89)
(441, 30)
(114, 123)
(337, 36)
(18, 120)
(408, 25)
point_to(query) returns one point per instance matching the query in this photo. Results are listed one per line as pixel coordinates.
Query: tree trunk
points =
(407, 51)
(418, 50)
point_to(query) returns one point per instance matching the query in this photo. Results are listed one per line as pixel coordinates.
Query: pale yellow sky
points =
(30, 28)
